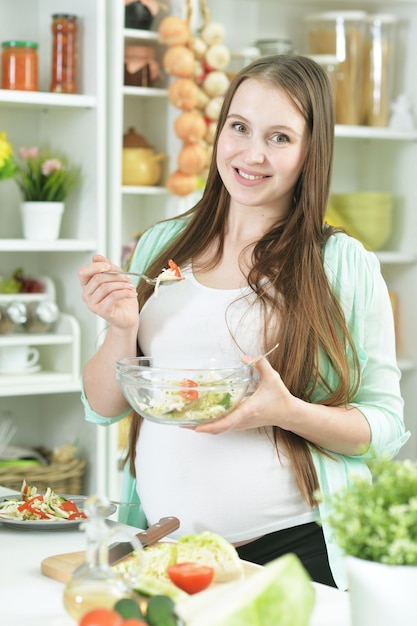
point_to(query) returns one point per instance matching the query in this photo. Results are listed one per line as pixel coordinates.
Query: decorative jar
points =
(20, 65)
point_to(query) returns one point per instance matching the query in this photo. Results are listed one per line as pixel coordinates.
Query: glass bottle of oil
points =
(95, 584)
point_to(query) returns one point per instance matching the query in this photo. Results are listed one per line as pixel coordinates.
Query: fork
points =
(147, 279)
(219, 381)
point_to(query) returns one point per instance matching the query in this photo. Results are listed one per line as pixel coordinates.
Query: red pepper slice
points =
(29, 503)
(174, 268)
(191, 577)
(189, 394)
(37, 512)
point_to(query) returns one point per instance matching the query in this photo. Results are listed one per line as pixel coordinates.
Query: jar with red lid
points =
(64, 53)
(20, 65)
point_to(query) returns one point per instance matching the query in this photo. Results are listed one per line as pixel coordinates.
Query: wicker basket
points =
(64, 477)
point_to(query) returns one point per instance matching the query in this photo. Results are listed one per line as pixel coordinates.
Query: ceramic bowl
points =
(367, 216)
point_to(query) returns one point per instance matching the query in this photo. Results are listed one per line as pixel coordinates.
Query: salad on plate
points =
(32, 506)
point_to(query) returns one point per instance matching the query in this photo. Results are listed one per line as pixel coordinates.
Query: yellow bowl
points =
(370, 223)
(361, 198)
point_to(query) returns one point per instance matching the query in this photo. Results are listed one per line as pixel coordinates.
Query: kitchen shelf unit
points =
(59, 357)
(46, 406)
(135, 208)
(366, 159)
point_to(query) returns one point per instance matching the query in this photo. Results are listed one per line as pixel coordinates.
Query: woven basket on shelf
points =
(64, 477)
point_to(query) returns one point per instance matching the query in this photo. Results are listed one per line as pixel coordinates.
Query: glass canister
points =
(378, 69)
(341, 33)
(240, 58)
(64, 53)
(269, 47)
(20, 65)
(329, 63)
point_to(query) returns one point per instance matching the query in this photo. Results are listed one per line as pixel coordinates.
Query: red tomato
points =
(134, 621)
(189, 394)
(69, 505)
(190, 577)
(101, 617)
(77, 515)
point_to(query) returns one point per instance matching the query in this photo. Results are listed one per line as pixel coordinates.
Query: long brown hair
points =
(289, 256)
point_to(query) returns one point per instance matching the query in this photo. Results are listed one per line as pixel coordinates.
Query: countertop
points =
(29, 597)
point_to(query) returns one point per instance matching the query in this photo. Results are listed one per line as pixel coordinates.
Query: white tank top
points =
(233, 483)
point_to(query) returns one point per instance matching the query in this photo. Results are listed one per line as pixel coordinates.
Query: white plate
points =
(54, 524)
(27, 370)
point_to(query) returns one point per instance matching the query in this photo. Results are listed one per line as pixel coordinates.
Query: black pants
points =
(305, 541)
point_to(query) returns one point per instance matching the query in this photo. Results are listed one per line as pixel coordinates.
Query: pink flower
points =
(28, 153)
(50, 166)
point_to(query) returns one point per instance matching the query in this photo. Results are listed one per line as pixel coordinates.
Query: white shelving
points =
(46, 405)
(59, 359)
(146, 109)
(90, 127)
(42, 99)
(366, 159)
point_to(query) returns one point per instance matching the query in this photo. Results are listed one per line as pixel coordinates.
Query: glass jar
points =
(341, 33)
(12, 317)
(329, 63)
(64, 53)
(241, 58)
(20, 65)
(269, 47)
(41, 316)
(378, 69)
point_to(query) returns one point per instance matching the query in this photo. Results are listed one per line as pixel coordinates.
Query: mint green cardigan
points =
(356, 279)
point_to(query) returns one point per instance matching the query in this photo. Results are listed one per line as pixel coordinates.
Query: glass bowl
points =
(184, 394)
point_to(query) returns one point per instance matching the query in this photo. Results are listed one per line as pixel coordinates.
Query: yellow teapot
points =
(141, 166)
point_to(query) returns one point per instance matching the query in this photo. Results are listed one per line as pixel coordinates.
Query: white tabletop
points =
(26, 596)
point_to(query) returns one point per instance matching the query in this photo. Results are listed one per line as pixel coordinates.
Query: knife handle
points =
(158, 530)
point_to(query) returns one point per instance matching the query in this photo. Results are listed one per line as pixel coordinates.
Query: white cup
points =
(17, 358)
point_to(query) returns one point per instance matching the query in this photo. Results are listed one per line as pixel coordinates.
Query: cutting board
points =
(61, 566)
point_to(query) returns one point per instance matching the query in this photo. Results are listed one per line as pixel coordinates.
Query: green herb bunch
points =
(378, 521)
(45, 176)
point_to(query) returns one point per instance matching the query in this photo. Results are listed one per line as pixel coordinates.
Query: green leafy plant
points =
(378, 521)
(43, 175)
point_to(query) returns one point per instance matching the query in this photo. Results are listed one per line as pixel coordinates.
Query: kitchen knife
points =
(118, 551)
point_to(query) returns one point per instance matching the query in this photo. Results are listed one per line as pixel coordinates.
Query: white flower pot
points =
(384, 595)
(41, 220)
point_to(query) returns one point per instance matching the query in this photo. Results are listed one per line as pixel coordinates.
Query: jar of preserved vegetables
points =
(20, 65)
(64, 53)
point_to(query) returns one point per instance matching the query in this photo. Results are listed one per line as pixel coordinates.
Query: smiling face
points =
(262, 148)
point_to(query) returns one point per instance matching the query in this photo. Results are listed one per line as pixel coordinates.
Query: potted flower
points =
(45, 179)
(375, 524)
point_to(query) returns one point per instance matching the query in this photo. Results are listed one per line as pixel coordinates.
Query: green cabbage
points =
(208, 548)
(280, 594)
